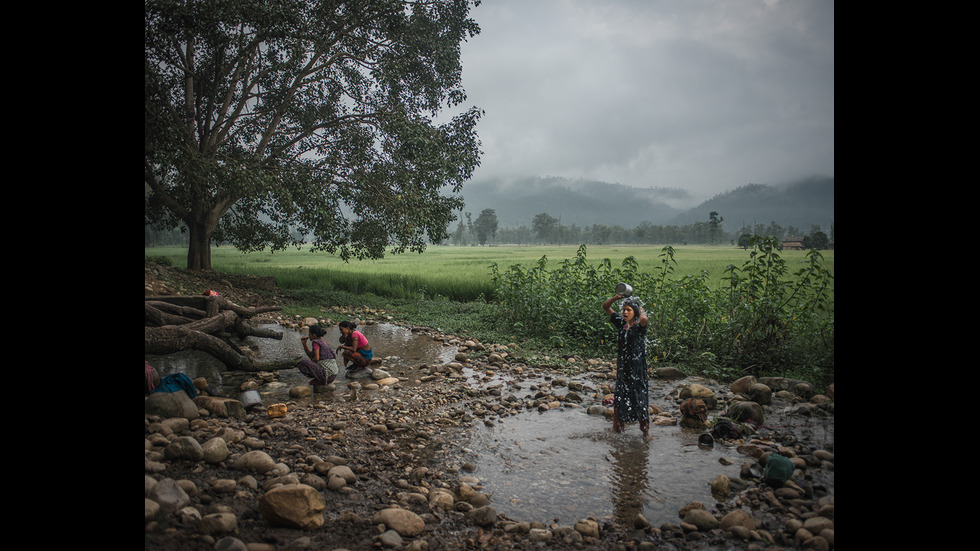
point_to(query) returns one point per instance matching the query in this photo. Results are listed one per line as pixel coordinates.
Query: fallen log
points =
(205, 323)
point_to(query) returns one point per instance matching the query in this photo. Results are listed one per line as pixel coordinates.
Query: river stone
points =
(171, 404)
(669, 373)
(466, 492)
(702, 519)
(796, 386)
(223, 486)
(344, 472)
(335, 483)
(744, 411)
(169, 495)
(184, 447)
(293, 505)
(215, 450)
(440, 498)
(721, 485)
(387, 381)
(760, 394)
(216, 523)
(255, 460)
(403, 521)
(485, 516)
(221, 407)
(736, 518)
(230, 435)
(742, 385)
(587, 527)
(818, 524)
(539, 534)
(176, 425)
(150, 509)
(391, 539)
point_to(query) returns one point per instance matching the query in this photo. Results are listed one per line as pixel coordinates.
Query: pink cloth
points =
(362, 341)
(148, 376)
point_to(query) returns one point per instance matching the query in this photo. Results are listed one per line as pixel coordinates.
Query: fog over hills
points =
(587, 202)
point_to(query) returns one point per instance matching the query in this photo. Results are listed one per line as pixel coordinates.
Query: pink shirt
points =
(362, 341)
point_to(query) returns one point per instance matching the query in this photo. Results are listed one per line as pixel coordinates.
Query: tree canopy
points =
(271, 122)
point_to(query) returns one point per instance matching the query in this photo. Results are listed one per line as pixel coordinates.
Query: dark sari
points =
(632, 397)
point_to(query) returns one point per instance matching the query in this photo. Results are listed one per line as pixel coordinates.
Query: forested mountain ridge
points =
(586, 202)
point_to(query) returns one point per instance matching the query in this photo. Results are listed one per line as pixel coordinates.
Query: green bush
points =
(765, 322)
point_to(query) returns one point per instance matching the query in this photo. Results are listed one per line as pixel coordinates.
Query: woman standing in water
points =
(631, 401)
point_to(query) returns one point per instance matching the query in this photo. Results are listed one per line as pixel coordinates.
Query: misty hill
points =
(800, 204)
(587, 202)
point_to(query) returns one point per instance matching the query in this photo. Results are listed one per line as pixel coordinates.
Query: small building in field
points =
(792, 243)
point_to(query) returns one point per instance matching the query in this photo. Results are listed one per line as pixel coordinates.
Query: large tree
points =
(486, 225)
(269, 122)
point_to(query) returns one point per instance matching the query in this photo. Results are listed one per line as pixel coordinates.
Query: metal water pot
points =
(624, 290)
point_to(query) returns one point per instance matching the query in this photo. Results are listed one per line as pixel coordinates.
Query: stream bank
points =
(462, 448)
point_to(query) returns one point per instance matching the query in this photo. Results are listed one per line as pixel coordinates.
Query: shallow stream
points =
(536, 466)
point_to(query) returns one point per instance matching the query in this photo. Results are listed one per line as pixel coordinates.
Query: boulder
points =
(171, 404)
(293, 505)
(403, 521)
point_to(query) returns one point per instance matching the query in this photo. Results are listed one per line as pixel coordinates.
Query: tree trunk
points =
(199, 246)
(206, 323)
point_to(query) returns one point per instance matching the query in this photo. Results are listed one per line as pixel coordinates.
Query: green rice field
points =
(457, 273)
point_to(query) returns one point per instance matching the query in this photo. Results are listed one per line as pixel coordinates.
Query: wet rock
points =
(221, 407)
(256, 460)
(587, 527)
(760, 394)
(293, 505)
(168, 495)
(737, 518)
(701, 519)
(215, 450)
(485, 516)
(391, 539)
(669, 373)
(539, 534)
(171, 404)
(720, 486)
(218, 523)
(441, 499)
(343, 472)
(184, 448)
(742, 385)
(403, 521)
(745, 411)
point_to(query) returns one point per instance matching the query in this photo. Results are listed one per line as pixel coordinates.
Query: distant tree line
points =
(545, 229)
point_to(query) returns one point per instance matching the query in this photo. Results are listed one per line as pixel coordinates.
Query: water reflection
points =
(567, 464)
(629, 477)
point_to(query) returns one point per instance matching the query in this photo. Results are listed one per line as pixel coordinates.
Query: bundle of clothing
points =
(171, 383)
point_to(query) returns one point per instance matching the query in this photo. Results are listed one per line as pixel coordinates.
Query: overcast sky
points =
(704, 95)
